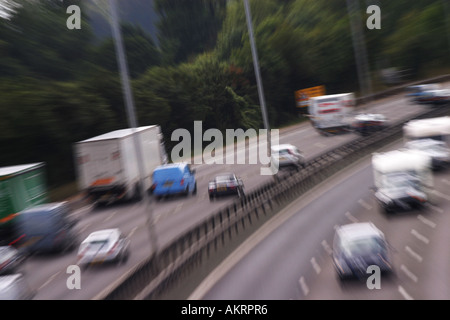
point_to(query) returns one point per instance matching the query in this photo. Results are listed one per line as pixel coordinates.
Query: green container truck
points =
(21, 187)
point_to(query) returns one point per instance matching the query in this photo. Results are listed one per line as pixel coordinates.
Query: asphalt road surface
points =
(47, 274)
(291, 260)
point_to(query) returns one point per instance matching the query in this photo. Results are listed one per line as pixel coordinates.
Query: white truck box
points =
(107, 167)
(403, 161)
(431, 128)
(332, 113)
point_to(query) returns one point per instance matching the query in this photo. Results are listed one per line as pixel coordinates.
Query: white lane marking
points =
(413, 254)
(351, 217)
(303, 285)
(404, 293)
(315, 265)
(433, 207)
(110, 216)
(319, 145)
(85, 227)
(408, 273)
(420, 236)
(49, 280)
(132, 232)
(178, 208)
(442, 195)
(327, 247)
(426, 221)
(83, 210)
(364, 204)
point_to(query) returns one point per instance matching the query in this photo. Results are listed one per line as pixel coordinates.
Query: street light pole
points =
(359, 47)
(132, 121)
(257, 73)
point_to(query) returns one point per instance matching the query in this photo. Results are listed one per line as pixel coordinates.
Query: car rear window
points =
(166, 172)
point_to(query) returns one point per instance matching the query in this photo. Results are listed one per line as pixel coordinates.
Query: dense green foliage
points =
(59, 86)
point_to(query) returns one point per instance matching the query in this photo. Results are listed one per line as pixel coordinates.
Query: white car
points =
(437, 150)
(107, 245)
(287, 155)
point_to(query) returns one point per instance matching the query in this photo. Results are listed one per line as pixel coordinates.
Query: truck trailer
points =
(107, 166)
(21, 187)
(403, 179)
(332, 113)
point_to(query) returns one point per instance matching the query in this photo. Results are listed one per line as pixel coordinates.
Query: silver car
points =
(101, 246)
(357, 246)
(287, 156)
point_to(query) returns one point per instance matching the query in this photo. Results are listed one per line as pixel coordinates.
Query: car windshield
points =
(94, 245)
(224, 178)
(362, 246)
(283, 151)
(400, 181)
(6, 253)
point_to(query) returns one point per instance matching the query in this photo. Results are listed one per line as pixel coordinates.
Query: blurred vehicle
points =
(15, 287)
(357, 246)
(441, 96)
(225, 184)
(416, 91)
(438, 151)
(430, 128)
(21, 187)
(368, 123)
(108, 245)
(331, 113)
(107, 167)
(403, 179)
(46, 228)
(11, 260)
(287, 156)
(172, 179)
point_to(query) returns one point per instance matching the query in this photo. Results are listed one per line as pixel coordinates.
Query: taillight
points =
(113, 248)
(182, 182)
(153, 187)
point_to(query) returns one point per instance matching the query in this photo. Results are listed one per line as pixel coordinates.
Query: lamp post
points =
(257, 73)
(359, 47)
(132, 121)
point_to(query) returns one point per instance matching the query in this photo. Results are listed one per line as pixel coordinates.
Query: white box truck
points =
(107, 166)
(332, 113)
(403, 179)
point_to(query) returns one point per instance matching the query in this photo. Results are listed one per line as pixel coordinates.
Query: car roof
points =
(369, 117)
(8, 280)
(171, 165)
(102, 235)
(283, 146)
(358, 230)
(225, 174)
(424, 142)
(45, 207)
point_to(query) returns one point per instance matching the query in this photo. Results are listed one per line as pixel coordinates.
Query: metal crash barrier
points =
(180, 266)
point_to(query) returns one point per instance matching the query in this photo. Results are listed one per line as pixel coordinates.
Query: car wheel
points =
(194, 192)
(211, 197)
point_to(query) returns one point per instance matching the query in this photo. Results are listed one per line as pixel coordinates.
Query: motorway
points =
(290, 257)
(47, 274)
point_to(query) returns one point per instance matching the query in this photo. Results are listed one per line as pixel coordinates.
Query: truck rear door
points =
(100, 163)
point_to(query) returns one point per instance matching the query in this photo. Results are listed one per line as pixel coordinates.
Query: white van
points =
(332, 113)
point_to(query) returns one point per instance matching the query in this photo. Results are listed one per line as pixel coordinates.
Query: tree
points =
(187, 28)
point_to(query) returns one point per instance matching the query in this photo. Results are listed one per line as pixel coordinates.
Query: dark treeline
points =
(59, 86)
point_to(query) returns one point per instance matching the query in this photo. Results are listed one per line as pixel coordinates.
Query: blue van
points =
(45, 228)
(171, 179)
